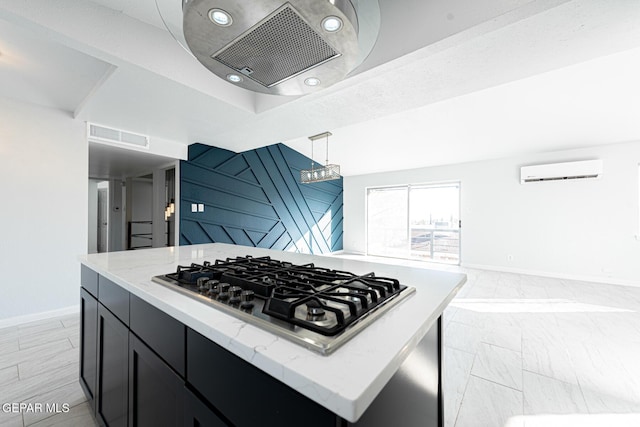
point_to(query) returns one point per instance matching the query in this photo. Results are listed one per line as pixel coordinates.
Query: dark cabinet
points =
(104, 347)
(113, 370)
(198, 414)
(89, 280)
(228, 383)
(89, 347)
(161, 332)
(127, 383)
(115, 298)
(155, 390)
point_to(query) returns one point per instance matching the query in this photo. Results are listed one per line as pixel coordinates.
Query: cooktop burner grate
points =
(303, 300)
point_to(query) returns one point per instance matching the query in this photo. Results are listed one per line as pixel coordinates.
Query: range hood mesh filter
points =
(277, 49)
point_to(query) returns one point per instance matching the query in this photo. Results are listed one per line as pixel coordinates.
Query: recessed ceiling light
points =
(312, 81)
(220, 17)
(234, 78)
(332, 24)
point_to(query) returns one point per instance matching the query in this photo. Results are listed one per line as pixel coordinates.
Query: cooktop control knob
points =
(201, 283)
(223, 295)
(234, 294)
(247, 296)
(246, 300)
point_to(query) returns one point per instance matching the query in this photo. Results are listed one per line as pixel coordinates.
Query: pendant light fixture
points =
(170, 208)
(322, 173)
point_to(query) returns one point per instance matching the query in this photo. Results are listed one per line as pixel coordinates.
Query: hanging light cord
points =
(327, 160)
(316, 137)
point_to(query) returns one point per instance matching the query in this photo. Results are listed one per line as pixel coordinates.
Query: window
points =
(415, 222)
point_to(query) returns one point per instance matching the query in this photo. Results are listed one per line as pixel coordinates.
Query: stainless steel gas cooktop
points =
(313, 306)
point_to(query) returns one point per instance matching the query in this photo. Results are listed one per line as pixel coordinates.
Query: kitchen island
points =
(356, 384)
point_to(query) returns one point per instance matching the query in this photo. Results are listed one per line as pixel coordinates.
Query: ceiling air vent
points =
(116, 136)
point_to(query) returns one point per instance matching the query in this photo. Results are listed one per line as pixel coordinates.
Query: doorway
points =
(133, 213)
(140, 189)
(98, 231)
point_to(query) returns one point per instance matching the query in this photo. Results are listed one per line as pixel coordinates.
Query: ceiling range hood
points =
(275, 47)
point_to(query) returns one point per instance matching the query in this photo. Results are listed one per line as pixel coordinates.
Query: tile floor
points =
(39, 365)
(530, 351)
(520, 351)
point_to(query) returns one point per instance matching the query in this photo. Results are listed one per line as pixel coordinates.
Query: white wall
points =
(584, 229)
(141, 200)
(43, 183)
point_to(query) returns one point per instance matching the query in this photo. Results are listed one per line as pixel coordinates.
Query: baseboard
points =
(19, 320)
(439, 266)
(338, 252)
(593, 279)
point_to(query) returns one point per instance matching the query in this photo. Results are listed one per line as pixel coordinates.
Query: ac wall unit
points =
(97, 133)
(561, 171)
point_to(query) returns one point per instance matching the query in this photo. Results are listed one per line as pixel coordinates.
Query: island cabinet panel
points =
(115, 298)
(161, 332)
(156, 392)
(89, 280)
(89, 345)
(413, 396)
(113, 370)
(198, 414)
(228, 383)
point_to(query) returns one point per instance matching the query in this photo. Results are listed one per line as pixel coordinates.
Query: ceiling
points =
(107, 162)
(449, 81)
(38, 71)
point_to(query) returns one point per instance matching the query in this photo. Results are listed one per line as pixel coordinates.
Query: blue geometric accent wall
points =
(255, 198)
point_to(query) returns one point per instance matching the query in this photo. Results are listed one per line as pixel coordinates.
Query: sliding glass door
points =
(415, 222)
(387, 213)
(434, 222)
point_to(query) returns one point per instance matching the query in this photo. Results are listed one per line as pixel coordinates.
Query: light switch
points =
(200, 207)
(194, 207)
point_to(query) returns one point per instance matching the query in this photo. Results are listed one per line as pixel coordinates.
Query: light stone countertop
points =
(346, 381)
